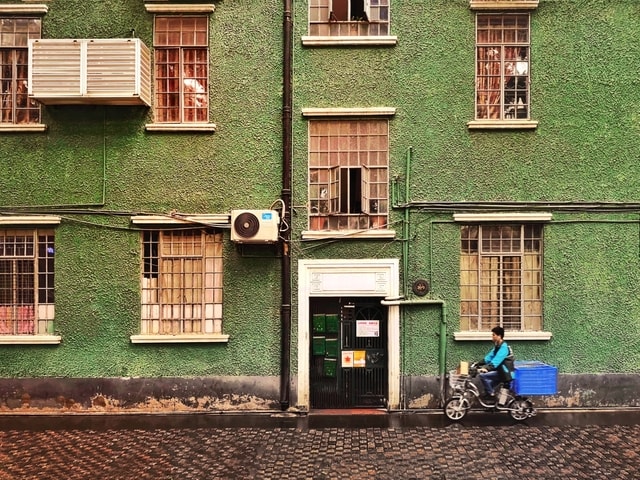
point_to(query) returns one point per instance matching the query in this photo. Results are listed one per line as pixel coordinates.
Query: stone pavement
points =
(410, 446)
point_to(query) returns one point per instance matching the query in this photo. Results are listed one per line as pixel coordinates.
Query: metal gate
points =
(348, 353)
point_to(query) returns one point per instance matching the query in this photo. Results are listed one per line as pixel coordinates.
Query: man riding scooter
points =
(497, 366)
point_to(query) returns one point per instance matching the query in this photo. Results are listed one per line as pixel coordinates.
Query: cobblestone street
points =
(245, 447)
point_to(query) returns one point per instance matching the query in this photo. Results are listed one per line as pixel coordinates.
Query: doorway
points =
(348, 353)
(341, 282)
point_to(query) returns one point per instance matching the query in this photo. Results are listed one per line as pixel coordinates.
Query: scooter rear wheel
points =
(456, 408)
(521, 409)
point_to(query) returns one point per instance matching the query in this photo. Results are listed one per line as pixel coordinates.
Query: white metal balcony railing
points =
(90, 71)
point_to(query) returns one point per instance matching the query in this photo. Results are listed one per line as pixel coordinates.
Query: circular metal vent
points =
(246, 225)
(420, 287)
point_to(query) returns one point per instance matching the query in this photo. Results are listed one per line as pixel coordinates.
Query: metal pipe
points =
(285, 274)
(405, 267)
(569, 206)
(442, 353)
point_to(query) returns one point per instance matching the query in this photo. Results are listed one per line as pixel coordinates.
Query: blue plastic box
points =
(535, 378)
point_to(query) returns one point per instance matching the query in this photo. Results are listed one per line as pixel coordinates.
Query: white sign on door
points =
(367, 328)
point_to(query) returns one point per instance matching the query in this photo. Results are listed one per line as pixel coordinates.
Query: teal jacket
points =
(501, 358)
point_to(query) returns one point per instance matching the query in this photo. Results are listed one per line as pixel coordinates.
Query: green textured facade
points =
(96, 166)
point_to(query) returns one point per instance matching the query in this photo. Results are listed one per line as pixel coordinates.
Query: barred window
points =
(181, 282)
(15, 33)
(26, 282)
(501, 277)
(181, 53)
(349, 17)
(502, 66)
(348, 174)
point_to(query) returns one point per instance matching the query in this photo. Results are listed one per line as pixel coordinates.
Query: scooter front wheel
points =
(521, 409)
(456, 408)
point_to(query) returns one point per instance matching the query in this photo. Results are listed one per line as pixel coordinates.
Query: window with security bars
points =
(181, 59)
(15, 34)
(348, 17)
(181, 282)
(348, 174)
(26, 282)
(501, 277)
(502, 66)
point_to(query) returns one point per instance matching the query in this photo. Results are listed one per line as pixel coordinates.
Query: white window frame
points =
(211, 316)
(348, 32)
(508, 114)
(167, 9)
(496, 218)
(332, 184)
(23, 11)
(43, 312)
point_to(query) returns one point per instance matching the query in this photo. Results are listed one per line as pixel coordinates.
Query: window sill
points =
(30, 339)
(331, 41)
(502, 124)
(503, 4)
(347, 234)
(20, 128)
(194, 338)
(509, 336)
(181, 127)
(24, 9)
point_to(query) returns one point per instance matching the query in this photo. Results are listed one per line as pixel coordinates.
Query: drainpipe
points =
(285, 310)
(442, 357)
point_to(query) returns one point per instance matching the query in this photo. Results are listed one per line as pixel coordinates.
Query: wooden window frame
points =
(341, 152)
(181, 286)
(503, 70)
(181, 69)
(501, 277)
(352, 22)
(17, 110)
(27, 293)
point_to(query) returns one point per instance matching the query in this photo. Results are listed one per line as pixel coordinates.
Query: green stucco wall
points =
(97, 260)
(95, 166)
(584, 84)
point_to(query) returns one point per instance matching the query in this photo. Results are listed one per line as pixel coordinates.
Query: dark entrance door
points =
(348, 353)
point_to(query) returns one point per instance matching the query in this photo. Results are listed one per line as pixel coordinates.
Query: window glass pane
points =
(357, 190)
(504, 279)
(181, 282)
(348, 18)
(181, 71)
(26, 280)
(16, 107)
(502, 66)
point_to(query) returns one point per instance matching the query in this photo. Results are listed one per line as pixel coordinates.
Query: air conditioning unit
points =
(254, 226)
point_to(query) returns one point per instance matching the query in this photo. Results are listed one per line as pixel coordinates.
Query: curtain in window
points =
(501, 284)
(502, 66)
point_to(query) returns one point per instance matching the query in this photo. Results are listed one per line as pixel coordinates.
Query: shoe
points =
(489, 398)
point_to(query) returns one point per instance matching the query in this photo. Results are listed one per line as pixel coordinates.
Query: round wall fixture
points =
(246, 225)
(420, 287)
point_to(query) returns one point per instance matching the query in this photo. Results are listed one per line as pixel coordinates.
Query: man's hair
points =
(498, 331)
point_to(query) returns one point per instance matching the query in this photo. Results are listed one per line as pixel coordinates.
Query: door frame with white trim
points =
(348, 277)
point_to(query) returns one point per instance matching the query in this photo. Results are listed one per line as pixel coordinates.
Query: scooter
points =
(466, 394)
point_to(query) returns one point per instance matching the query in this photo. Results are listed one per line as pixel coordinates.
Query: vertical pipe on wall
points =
(405, 271)
(405, 224)
(442, 346)
(285, 309)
